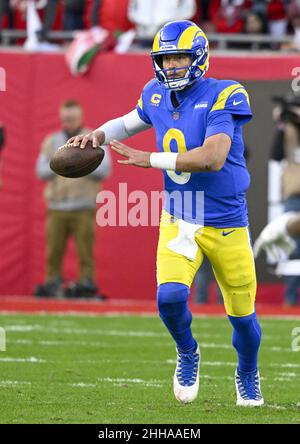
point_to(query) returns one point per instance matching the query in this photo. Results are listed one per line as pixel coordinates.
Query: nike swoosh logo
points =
(237, 103)
(228, 232)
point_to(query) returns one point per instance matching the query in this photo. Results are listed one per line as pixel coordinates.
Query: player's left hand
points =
(133, 156)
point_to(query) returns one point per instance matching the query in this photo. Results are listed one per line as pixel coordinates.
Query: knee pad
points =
(172, 293)
(241, 302)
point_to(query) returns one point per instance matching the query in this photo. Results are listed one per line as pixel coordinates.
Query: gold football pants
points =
(230, 254)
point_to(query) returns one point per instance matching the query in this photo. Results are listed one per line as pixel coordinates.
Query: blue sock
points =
(172, 301)
(246, 340)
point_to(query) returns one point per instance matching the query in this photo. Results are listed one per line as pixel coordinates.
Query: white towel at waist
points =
(185, 243)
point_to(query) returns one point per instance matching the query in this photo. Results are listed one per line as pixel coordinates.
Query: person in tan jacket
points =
(71, 210)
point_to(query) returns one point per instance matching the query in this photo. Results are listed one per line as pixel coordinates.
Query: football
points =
(73, 161)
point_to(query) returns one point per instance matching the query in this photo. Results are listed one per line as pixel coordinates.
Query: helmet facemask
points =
(169, 76)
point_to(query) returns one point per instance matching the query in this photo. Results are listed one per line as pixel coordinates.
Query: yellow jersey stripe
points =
(242, 91)
(223, 96)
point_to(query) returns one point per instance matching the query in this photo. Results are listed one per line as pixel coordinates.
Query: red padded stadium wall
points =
(36, 84)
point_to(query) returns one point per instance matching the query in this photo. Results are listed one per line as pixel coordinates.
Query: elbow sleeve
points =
(123, 127)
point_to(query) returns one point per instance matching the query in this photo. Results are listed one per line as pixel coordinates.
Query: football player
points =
(198, 123)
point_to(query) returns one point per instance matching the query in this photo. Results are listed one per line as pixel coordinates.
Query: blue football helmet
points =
(180, 37)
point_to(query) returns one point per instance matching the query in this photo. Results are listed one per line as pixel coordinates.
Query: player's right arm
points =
(120, 128)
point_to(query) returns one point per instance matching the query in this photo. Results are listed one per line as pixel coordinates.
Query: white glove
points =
(275, 240)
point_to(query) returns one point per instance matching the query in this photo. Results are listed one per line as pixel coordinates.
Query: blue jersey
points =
(206, 108)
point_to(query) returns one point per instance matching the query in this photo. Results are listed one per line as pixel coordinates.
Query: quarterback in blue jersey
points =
(198, 123)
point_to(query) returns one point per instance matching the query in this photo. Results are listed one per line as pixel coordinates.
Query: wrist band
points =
(164, 161)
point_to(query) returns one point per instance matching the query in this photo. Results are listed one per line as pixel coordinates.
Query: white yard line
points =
(22, 328)
(115, 314)
(285, 365)
(20, 341)
(281, 379)
(58, 343)
(233, 364)
(128, 333)
(159, 383)
(11, 383)
(281, 376)
(288, 374)
(32, 359)
(96, 332)
(122, 381)
(122, 333)
(275, 406)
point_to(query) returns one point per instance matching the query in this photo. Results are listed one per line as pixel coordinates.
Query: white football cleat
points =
(248, 389)
(186, 377)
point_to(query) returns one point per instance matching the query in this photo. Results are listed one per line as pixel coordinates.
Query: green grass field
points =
(118, 369)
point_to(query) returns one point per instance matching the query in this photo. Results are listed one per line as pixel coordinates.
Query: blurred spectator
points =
(260, 6)
(72, 18)
(277, 17)
(293, 8)
(296, 28)
(227, 15)
(129, 19)
(202, 17)
(203, 10)
(111, 15)
(71, 210)
(149, 16)
(286, 146)
(254, 23)
(6, 12)
(34, 26)
(276, 13)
